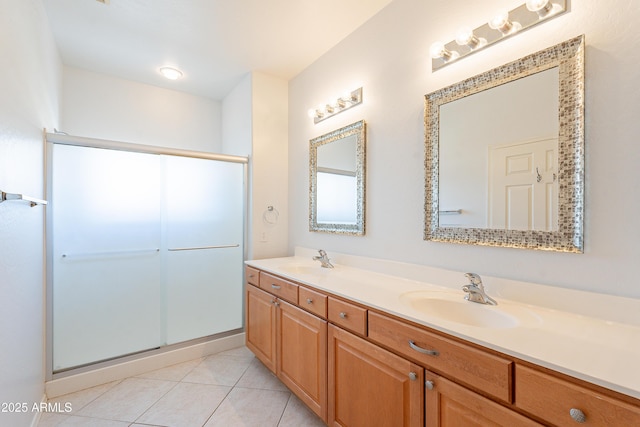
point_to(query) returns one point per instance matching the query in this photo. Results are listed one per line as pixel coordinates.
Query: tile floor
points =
(227, 389)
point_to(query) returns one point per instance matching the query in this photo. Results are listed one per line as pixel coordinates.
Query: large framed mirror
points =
(504, 154)
(337, 181)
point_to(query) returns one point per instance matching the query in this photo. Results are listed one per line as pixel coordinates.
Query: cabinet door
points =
(448, 404)
(261, 326)
(369, 386)
(302, 356)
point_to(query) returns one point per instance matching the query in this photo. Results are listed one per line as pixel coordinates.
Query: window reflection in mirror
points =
(337, 182)
(336, 198)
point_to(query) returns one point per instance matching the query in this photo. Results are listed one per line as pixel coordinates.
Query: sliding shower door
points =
(145, 250)
(204, 234)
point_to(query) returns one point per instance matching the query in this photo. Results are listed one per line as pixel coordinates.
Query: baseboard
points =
(73, 383)
(37, 414)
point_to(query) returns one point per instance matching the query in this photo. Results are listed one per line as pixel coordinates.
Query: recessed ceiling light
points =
(171, 73)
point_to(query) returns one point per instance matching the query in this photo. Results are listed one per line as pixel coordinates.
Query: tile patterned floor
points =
(227, 389)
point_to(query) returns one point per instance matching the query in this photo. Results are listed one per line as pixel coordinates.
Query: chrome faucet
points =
(324, 259)
(475, 290)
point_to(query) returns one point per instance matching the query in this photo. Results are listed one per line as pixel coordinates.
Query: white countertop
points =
(589, 336)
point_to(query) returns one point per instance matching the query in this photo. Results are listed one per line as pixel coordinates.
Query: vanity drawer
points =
(279, 287)
(348, 316)
(552, 399)
(252, 275)
(485, 372)
(313, 301)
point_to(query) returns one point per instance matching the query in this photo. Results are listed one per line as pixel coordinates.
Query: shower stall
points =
(145, 248)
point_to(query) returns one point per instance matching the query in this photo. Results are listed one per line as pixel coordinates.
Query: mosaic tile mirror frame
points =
(566, 234)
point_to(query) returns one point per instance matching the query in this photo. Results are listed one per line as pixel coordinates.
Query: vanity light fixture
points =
(171, 73)
(438, 50)
(501, 22)
(466, 37)
(502, 25)
(331, 108)
(541, 7)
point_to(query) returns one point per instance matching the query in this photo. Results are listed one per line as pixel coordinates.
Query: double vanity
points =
(375, 342)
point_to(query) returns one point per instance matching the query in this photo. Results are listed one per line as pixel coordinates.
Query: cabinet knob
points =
(275, 302)
(429, 385)
(578, 415)
(309, 301)
(343, 315)
(413, 376)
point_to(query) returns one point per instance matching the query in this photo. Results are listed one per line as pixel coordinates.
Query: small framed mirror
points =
(337, 181)
(505, 154)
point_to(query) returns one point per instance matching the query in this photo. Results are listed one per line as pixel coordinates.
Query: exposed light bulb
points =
(438, 50)
(501, 22)
(347, 97)
(541, 7)
(171, 73)
(311, 112)
(465, 37)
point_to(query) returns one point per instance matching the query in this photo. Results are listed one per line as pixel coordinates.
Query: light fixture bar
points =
(499, 28)
(343, 103)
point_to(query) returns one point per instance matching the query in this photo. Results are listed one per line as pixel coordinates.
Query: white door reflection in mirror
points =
(523, 110)
(523, 186)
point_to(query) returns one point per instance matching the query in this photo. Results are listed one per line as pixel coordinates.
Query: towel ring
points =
(270, 216)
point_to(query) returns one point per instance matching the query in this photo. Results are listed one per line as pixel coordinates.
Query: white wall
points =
(101, 106)
(269, 166)
(236, 119)
(254, 124)
(30, 84)
(388, 55)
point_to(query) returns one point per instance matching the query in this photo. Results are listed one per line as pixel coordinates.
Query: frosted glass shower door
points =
(204, 205)
(106, 260)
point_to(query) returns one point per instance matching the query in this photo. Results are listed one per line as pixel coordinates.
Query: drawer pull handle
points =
(343, 315)
(276, 287)
(577, 415)
(309, 301)
(251, 276)
(413, 376)
(429, 385)
(422, 350)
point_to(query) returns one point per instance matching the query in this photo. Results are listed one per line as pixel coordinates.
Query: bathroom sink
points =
(302, 269)
(454, 308)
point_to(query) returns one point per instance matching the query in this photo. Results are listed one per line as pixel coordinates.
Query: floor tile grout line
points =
(285, 409)
(217, 406)
(157, 400)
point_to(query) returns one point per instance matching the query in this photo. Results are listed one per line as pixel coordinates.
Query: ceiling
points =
(213, 42)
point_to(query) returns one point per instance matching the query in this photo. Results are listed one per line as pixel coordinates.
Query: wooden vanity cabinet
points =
(260, 325)
(565, 403)
(354, 366)
(476, 368)
(448, 404)
(348, 316)
(291, 342)
(302, 356)
(252, 276)
(370, 386)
